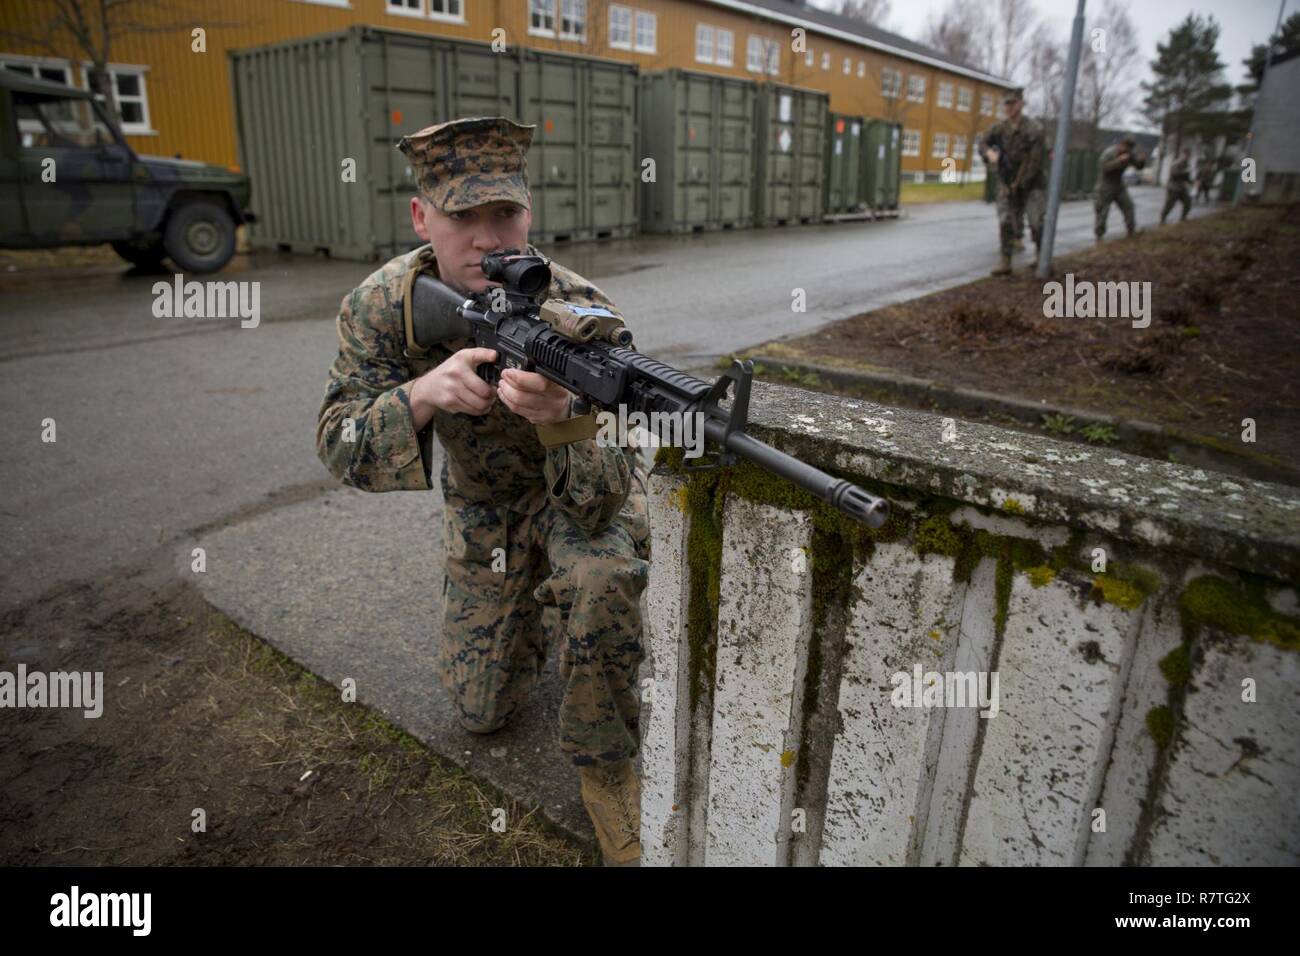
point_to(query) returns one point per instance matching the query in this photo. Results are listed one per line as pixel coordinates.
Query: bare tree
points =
(875, 13)
(1106, 69)
(996, 37)
(88, 29)
(953, 32)
(1047, 63)
(1013, 25)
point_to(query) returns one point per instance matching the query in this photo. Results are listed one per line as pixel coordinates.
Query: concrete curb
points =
(1136, 437)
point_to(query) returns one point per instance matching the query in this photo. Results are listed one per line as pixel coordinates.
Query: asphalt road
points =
(172, 434)
(166, 427)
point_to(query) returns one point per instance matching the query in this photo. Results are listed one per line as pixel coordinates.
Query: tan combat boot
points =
(1004, 269)
(612, 795)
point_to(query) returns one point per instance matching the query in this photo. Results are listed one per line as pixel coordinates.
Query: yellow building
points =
(172, 80)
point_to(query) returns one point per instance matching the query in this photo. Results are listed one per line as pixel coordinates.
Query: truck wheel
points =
(200, 236)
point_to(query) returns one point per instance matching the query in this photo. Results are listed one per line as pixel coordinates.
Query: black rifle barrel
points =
(841, 494)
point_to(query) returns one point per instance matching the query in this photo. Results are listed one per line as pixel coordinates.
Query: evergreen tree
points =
(1285, 40)
(1188, 96)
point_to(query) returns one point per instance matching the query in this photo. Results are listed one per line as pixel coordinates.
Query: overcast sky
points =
(1242, 23)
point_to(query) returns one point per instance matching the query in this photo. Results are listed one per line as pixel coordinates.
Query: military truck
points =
(67, 178)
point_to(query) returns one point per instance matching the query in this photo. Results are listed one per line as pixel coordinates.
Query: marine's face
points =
(461, 239)
(1013, 108)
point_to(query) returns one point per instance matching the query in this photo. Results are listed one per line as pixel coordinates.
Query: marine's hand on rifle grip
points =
(455, 385)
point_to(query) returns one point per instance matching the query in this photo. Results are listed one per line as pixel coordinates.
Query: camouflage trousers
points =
(1174, 196)
(1014, 209)
(1101, 209)
(517, 584)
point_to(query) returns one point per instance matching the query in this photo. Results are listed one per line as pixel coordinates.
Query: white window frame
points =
(719, 47)
(986, 104)
(637, 20)
(809, 57)
(617, 11)
(915, 136)
(546, 8)
(826, 60)
(773, 58)
(915, 88)
(703, 43)
(402, 8)
(944, 96)
(959, 147)
(862, 69)
(36, 64)
(969, 97)
(938, 145)
(577, 14)
(848, 66)
(754, 53)
(114, 69)
(894, 88)
(448, 17)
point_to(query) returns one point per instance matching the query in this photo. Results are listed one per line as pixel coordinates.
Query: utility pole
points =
(1062, 147)
(1250, 136)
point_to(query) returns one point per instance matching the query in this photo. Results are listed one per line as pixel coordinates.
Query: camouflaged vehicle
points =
(66, 178)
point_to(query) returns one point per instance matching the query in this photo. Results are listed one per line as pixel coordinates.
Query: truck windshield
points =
(43, 121)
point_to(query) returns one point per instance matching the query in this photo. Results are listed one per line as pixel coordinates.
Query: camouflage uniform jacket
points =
(494, 459)
(1110, 168)
(1023, 147)
(1180, 174)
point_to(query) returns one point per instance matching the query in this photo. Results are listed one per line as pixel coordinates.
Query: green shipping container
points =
(699, 130)
(582, 166)
(884, 158)
(846, 169)
(318, 120)
(791, 154)
(1080, 173)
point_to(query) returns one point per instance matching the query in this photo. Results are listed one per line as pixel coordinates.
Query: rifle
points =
(589, 352)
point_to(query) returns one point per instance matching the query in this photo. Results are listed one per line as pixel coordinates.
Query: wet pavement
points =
(174, 433)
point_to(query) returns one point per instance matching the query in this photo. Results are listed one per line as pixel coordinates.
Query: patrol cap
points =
(467, 162)
(1010, 96)
(1129, 139)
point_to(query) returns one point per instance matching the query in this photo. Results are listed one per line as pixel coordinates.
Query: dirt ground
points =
(200, 714)
(1223, 344)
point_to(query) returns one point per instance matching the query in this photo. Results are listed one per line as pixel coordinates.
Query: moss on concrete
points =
(1160, 725)
(1114, 590)
(1177, 665)
(1041, 575)
(1243, 609)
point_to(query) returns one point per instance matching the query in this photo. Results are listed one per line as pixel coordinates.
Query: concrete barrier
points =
(1050, 655)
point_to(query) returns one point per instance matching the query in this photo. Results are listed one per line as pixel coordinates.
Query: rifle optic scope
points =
(526, 274)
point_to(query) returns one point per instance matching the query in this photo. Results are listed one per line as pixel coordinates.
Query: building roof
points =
(798, 13)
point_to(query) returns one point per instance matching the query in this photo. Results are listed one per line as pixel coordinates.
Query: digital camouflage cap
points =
(467, 162)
